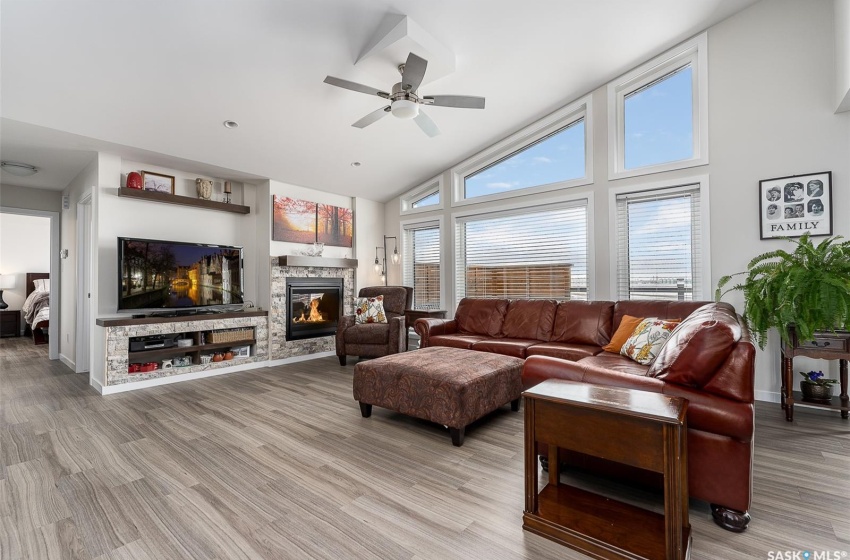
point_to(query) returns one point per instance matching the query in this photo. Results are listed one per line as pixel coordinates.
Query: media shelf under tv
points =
(183, 200)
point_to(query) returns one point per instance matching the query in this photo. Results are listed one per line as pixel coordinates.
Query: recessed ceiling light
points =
(231, 124)
(19, 169)
(355, 164)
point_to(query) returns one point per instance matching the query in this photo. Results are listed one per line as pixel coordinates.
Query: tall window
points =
(658, 114)
(658, 118)
(422, 264)
(555, 158)
(659, 244)
(536, 253)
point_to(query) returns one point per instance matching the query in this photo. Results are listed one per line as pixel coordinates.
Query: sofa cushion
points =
(530, 318)
(624, 331)
(481, 316)
(563, 350)
(647, 340)
(368, 333)
(698, 346)
(654, 308)
(506, 346)
(583, 322)
(615, 362)
(369, 310)
(455, 340)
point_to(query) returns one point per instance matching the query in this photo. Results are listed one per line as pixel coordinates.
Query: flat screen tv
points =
(174, 275)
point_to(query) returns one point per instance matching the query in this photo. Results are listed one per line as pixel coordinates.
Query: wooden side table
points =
(10, 323)
(410, 316)
(825, 346)
(637, 428)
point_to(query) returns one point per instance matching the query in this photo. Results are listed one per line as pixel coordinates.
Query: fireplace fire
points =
(314, 307)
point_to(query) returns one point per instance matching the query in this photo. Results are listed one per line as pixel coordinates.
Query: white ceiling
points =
(160, 76)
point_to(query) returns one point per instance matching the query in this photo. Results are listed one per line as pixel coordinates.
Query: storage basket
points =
(234, 335)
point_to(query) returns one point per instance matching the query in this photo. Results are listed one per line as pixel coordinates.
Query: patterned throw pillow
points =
(648, 339)
(369, 310)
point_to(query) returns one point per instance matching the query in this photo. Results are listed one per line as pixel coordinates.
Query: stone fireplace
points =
(315, 307)
(290, 270)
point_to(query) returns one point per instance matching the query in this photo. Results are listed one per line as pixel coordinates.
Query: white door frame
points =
(55, 273)
(82, 354)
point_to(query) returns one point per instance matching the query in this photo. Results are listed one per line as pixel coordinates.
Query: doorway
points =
(53, 286)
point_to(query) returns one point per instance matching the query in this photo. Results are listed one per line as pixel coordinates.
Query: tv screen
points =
(170, 274)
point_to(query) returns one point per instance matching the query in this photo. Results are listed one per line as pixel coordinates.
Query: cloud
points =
(542, 159)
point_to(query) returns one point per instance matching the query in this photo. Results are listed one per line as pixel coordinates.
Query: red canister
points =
(134, 180)
(134, 368)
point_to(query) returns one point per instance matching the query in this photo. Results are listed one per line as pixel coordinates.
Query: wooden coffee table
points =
(637, 428)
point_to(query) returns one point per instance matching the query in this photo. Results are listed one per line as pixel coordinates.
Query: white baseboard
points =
(296, 359)
(96, 384)
(767, 396)
(123, 387)
(68, 362)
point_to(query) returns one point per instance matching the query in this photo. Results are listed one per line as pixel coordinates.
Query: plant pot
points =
(813, 392)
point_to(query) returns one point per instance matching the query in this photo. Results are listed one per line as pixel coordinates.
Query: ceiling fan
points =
(405, 99)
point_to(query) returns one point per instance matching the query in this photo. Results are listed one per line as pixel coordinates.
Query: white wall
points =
(842, 55)
(771, 113)
(24, 247)
(32, 199)
(83, 183)
(369, 228)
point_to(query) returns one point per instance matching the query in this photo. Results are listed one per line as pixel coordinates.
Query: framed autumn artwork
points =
(293, 220)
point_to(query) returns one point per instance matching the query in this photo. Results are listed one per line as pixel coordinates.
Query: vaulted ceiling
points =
(160, 77)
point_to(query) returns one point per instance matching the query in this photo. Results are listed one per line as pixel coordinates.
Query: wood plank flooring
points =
(277, 463)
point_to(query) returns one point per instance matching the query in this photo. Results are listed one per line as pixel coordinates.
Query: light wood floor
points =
(277, 463)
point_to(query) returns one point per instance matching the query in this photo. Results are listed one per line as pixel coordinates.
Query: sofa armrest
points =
(540, 368)
(398, 334)
(426, 328)
(344, 323)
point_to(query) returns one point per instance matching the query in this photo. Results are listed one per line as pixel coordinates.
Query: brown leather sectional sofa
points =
(708, 360)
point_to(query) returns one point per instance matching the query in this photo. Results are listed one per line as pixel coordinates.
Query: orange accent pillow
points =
(627, 326)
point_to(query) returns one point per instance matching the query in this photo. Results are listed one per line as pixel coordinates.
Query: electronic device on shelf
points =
(178, 278)
(143, 343)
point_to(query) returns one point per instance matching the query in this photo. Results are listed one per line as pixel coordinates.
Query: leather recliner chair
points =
(374, 340)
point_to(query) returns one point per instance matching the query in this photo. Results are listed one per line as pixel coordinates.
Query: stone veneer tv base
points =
(118, 337)
(279, 347)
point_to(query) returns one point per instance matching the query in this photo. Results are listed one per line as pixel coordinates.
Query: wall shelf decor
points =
(184, 200)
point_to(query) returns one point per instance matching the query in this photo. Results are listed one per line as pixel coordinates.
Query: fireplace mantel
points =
(327, 262)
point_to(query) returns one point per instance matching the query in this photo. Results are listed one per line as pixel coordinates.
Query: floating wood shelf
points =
(124, 322)
(184, 200)
(140, 355)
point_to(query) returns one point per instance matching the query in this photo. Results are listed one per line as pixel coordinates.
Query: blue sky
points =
(559, 157)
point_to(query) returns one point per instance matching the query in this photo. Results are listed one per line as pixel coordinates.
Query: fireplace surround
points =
(314, 307)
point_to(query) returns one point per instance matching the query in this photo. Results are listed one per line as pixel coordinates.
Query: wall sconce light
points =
(381, 265)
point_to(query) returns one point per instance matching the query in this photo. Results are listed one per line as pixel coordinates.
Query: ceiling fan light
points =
(405, 109)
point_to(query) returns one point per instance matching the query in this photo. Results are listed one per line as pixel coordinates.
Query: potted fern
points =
(802, 291)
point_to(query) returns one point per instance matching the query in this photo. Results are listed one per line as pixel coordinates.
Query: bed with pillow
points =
(36, 309)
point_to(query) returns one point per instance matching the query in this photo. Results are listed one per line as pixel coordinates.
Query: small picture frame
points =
(241, 351)
(794, 205)
(158, 182)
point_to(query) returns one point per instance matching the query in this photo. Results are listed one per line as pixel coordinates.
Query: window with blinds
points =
(422, 264)
(533, 253)
(659, 252)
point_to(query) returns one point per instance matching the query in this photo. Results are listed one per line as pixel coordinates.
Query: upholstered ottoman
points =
(449, 386)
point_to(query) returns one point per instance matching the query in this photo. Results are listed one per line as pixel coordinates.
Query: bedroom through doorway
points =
(28, 313)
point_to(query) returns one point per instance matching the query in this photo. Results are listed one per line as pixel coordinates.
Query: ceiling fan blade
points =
(374, 116)
(414, 71)
(426, 124)
(461, 101)
(354, 86)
